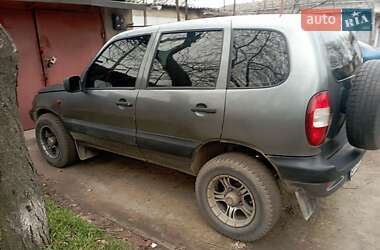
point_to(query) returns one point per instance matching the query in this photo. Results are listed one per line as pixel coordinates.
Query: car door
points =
(182, 104)
(103, 114)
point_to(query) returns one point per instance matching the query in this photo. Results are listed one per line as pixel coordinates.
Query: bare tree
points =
(23, 223)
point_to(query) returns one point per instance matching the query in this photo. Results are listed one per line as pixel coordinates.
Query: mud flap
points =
(307, 203)
(85, 153)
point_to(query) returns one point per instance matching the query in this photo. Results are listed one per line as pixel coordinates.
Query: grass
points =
(68, 231)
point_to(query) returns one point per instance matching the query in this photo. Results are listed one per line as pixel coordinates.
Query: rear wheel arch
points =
(209, 150)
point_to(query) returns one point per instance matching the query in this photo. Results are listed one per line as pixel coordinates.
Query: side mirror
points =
(72, 84)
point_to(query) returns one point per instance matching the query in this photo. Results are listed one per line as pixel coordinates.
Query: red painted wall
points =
(20, 25)
(73, 38)
(72, 35)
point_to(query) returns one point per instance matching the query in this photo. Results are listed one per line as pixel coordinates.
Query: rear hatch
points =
(344, 59)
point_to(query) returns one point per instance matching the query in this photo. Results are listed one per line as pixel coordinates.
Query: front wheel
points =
(238, 196)
(55, 143)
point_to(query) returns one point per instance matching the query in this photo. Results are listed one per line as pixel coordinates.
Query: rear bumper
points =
(317, 175)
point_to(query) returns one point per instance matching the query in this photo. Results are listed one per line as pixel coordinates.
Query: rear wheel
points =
(55, 143)
(363, 107)
(238, 196)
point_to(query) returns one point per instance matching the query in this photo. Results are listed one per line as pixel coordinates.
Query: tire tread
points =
(262, 178)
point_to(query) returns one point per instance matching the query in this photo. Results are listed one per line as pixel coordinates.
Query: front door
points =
(68, 41)
(182, 105)
(103, 115)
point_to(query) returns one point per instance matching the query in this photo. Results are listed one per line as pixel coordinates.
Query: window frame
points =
(233, 30)
(151, 37)
(157, 44)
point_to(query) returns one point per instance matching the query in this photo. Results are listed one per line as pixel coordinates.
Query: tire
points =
(66, 153)
(363, 107)
(259, 181)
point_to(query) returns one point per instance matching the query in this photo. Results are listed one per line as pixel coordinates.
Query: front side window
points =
(260, 59)
(189, 59)
(118, 65)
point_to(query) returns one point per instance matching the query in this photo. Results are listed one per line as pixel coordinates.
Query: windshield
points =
(344, 53)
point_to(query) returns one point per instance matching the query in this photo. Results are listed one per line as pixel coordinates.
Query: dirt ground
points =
(159, 204)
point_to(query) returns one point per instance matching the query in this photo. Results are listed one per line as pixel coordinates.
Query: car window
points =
(343, 51)
(260, 59)
(189, 59)
(118, 65)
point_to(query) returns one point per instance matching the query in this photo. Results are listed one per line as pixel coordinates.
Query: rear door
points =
(182, 104)
(103, 114)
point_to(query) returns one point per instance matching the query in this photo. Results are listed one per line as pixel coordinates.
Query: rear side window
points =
(344, 53)
(189, 59)
(260, 59)
(118, 65)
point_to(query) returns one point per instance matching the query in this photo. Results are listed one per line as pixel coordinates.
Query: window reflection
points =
(190, 59)
(343, 51)
(259, 59)
(119, 64)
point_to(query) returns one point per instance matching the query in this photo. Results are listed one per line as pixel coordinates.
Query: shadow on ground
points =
(161, 203)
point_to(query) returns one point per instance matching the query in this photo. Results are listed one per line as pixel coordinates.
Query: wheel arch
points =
(211, 149)
(42, 111)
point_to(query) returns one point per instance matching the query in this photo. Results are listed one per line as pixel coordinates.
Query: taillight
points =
(318, 118)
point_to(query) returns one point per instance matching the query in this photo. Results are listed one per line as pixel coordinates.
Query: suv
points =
(248, 104)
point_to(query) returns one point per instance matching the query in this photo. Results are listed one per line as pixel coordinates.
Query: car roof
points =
(255, 21)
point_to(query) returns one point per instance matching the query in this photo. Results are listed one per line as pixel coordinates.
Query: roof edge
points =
(98, 3)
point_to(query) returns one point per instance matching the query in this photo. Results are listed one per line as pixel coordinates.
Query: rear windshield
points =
(344, 53)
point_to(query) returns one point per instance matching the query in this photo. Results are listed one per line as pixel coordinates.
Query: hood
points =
(52, 88)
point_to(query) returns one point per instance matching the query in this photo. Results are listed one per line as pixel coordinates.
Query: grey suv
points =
(250, 105)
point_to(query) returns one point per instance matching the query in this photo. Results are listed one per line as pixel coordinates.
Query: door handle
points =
(202, 108)
(123, 102)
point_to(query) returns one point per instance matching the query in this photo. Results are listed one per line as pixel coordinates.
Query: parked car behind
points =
(369, 52)
(247, 104)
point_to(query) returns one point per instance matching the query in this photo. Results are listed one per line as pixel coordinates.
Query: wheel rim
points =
(49, 142)
(231, 201)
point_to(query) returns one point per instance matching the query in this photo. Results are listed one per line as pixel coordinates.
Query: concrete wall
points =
(135, 18)
(165, 15)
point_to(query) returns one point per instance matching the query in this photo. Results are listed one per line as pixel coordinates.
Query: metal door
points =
(68, 41)
(20, 25)
(174, 120)
(103, 118)
(104, 113)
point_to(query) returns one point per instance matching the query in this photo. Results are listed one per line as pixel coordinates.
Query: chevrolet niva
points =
(247, 104)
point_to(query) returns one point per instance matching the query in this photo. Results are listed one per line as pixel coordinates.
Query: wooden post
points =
(282, 7)
(145, 18)
(177, 9)
(186, 10)
(234, 8)
(23, 222)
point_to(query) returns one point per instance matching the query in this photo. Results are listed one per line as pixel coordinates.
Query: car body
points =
(184, 126)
